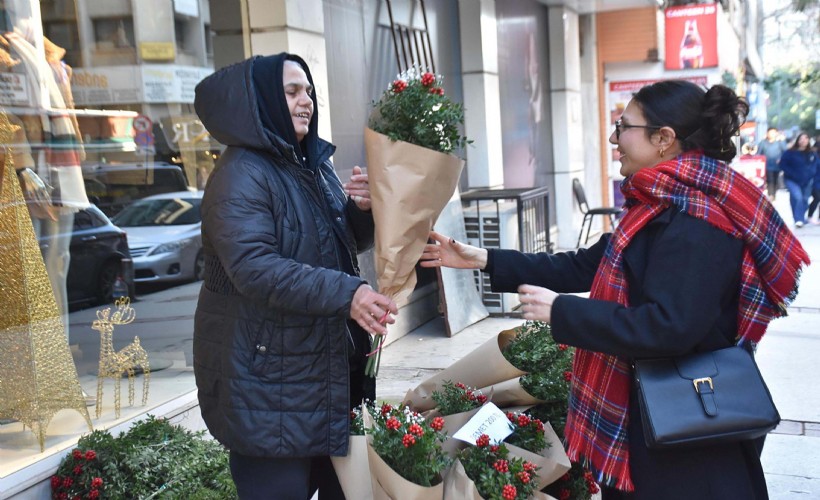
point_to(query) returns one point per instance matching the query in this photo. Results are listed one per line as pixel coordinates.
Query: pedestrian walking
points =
(772, 148)
(799, 165)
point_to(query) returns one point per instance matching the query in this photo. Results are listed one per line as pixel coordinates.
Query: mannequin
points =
(60, 192)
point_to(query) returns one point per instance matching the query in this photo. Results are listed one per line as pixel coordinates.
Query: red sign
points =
(691, 36)
(753, 167)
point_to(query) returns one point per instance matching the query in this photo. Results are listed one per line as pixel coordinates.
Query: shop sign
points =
(157, 51)
(13, 89)
(148, 83)
(691, 36)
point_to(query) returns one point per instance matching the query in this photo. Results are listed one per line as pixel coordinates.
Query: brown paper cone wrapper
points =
(552, 460)
(395, 486)
(353, 470)
(409, 187)
(510, 393)
(457, 486)
(481, 367)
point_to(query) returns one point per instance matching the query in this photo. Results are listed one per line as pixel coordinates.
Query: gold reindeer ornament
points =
(114, 363)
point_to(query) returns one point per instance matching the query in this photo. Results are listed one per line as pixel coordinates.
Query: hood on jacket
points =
(244, 105)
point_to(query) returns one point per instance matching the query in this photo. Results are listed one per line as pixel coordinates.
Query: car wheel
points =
(106, 279)
(199, 266)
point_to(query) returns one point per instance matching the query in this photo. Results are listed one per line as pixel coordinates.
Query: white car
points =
(164, 236)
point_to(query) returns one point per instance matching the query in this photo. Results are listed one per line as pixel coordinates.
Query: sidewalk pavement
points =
(787, 357)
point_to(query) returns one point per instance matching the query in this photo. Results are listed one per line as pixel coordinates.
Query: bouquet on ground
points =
(482, 367)
(353, 469)
(536, 442)
(456, 403)
(405, 454)
(413, 132)
(487, 471)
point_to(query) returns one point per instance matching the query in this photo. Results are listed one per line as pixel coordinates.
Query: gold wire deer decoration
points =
(114, 363)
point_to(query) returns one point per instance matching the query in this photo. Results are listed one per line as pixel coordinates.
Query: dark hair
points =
(770, 129)
(797, 139)
(702, 119)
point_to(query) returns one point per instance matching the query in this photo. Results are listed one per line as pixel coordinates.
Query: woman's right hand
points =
(447, 252)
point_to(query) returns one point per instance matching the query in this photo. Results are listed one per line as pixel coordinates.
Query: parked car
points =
(99, 253)
(164, 236)
(113, 186)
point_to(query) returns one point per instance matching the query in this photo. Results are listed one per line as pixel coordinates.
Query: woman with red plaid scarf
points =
(700, 261)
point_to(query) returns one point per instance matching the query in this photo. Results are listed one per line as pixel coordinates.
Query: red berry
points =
(481, 399)
(529, 467)
(523, 477)
(437, 424)
(55, 482)
(90, 455)
(494, 448)
(77, 454)
(564, 494)
(408, 440)
(523, 420)
(416, 429)
(563, 347)
(97, 482)
(567, 376)
(482, 441)
(386, 409)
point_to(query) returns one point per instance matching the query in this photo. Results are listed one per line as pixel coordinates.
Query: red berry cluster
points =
(591, 484)
(482, 441)
(68, 487)
(567, 376)
(501, 466)
(563, 347)
(509, 492)
(386, 409)
(428, 79)
(437, 424)
(416, 430)
(437, 90)
(529, 467)
(408, 440)
(392, 424)
(398, 86)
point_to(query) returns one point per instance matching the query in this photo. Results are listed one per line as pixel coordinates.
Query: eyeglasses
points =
(620, 125)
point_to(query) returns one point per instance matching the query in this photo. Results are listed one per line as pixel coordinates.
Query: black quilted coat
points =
(271, 342)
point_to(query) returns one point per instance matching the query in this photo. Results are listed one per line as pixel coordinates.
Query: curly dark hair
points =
(704, 120)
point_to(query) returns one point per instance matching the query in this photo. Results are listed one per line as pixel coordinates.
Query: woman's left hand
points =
(537, 302)
(359, 189)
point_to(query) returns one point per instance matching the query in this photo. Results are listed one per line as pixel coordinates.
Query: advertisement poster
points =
(691, 36)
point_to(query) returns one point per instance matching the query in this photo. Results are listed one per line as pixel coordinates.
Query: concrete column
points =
(567, 129)
(246, 28)
(482, 113)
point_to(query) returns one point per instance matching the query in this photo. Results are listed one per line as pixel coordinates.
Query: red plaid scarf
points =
(772, 258)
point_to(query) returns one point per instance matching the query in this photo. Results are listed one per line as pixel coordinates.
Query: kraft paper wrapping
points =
(452, 423)
(552, 460)
(510, 393)
(388, 484)
(409, 187)
(353, 470)
(481, 367)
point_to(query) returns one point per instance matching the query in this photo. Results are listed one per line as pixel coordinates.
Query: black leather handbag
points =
(703, 399)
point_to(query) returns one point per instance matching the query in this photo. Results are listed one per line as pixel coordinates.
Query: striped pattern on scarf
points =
(772, 259)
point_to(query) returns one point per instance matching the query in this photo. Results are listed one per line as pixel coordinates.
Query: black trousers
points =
(284, 478)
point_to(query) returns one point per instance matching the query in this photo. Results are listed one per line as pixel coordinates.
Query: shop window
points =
(114, 33)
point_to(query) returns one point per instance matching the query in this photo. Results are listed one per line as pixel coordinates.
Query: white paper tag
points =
(490, 421)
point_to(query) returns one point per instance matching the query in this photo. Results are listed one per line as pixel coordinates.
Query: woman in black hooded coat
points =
(282, 323)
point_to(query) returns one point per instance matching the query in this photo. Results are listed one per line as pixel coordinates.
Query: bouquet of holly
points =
(412, 135)
(456, 403)
(405, 453)
(489, 472)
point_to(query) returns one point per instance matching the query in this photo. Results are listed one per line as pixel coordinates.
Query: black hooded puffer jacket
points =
(270, 337)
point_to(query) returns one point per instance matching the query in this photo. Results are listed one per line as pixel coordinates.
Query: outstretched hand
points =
(536, 302)
(372, 310)
(358, 188)
(447, 252)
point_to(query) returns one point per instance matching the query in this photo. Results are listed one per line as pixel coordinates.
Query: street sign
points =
(144, 139)
(142, 124)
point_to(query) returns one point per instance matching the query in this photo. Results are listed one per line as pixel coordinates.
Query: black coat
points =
(271, 340)
(683, 277)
